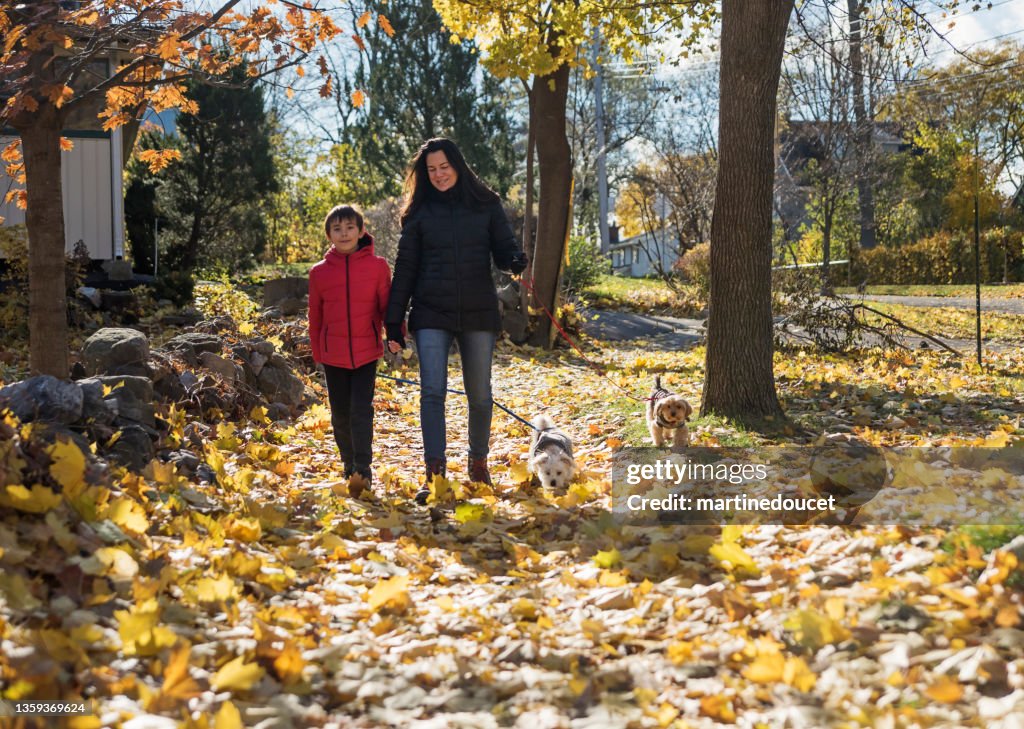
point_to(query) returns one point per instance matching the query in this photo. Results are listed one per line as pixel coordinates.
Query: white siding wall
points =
(86, 181)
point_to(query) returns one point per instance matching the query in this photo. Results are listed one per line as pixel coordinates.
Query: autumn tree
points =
(539, 43)
(114, 59)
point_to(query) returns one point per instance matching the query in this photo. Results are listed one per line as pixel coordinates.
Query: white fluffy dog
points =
(551, 454)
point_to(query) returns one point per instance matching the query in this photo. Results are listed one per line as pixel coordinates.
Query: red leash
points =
(600, 370)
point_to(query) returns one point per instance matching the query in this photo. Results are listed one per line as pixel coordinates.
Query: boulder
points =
(44, 398)
(95, 407)
(133, 447)
(194, 343)
(116, 351)
(516, 324)
(133, 396)
(279, 385)
(291, 307)
(283, 289)
(224, 368)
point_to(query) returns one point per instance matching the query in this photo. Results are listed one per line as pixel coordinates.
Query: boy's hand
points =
(394, 347)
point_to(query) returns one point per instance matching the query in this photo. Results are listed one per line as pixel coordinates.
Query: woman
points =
(452, 226)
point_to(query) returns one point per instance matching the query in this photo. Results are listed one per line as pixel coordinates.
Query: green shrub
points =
(946, 258)
(586, 264)
(176, 286)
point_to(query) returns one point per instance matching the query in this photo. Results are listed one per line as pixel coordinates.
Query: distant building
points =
(640, 255)
(91, 176)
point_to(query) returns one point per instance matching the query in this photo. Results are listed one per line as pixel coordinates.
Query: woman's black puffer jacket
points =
(444, 265)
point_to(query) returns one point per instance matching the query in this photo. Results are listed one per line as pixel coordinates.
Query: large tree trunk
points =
(862, 146)
(47, 301)
(554, 160)
(739, 381)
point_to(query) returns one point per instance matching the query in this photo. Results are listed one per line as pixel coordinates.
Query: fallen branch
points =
(909, 328)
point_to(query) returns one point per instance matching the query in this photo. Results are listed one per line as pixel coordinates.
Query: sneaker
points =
(435, 466)
(478, 472)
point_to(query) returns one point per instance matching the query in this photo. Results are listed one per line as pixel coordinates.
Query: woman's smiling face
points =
(442, 175)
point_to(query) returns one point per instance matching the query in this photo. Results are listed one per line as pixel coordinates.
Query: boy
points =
(348, 293)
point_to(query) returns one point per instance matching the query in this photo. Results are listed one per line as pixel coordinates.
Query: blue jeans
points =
(476, 350)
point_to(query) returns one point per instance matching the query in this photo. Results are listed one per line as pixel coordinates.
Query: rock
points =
(95, 406)
(194, 343)
(134, 396)
(44, 398)
(896, 616)
(134, 447)
(188, 380)
(279, 385)
(117, 300)
(516, 324)
(291, 307)
(186, 462)
(118, 270)
(222, 367)
(277, 412)
(256, 361)
(280, 289)
(91, 295)
(116, 351)
(217, 324)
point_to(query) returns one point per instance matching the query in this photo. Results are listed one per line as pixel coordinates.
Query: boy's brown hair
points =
(343, 212)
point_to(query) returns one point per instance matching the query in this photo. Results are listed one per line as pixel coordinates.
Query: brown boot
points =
(435, 466)
(478, 472)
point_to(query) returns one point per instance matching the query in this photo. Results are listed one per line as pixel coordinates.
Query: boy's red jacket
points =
(347, 298)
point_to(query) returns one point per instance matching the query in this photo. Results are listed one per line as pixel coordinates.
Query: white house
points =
(640, 255)
(91, 175)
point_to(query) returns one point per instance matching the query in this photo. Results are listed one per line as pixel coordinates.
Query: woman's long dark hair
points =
(471, 188)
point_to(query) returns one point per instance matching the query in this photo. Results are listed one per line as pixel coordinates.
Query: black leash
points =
(460, 392)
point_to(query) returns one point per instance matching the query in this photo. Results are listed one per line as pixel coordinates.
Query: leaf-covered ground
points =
(282, 596)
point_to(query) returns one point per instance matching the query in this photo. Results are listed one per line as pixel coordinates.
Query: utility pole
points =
(602, 172)
(977, 244)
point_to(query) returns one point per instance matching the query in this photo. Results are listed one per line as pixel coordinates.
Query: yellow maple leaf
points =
(177, 681)
(798, 675)
(236, 675)
(813, 629)
(212, 590)
(607, 559)
(519, 472)
(128, 514)
(612, 579)
(68, 463)
(768, 667)
(289, 664)
(140, 631)
(391, 593)
(945, 690)
(244, 530)
(228, 717)
(731, 556)
(37, 500)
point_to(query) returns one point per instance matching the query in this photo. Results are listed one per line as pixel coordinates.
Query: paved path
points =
(999, 306)
(670, 333)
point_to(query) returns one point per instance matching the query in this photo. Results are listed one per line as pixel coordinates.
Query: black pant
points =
(350, 393)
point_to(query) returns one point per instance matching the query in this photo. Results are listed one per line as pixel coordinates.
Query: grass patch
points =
(986, 538)
(633, 432)
(645, 295)
(992, 291)
(954, 323)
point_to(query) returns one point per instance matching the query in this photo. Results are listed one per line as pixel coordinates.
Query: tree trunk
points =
(739, 380)
(44, 218)
(862, 146)
(826, 248)
(555, 162)
(528, 247)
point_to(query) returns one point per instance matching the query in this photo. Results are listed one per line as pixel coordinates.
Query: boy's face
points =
(345, 234)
